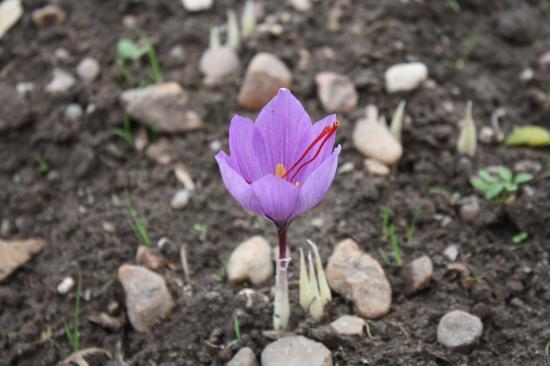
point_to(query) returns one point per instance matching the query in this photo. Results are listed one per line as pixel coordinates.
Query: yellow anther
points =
(298, 184)
(280, 170)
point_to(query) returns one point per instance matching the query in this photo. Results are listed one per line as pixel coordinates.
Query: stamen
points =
(280, 171)
(298, 184)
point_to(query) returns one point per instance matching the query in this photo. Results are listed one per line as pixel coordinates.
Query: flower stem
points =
(281, 304)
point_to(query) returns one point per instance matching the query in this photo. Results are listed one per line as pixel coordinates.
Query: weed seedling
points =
(202, 230)
(471, 42)
(499, 186)
(138, 225)
(411, 228)
(237, 330)
(73, 334)
(454, 5)
(519, 238)
(396, 250)
(386, 222)
(128, 50)
(219, 276)
(43, 166)
(125, 132)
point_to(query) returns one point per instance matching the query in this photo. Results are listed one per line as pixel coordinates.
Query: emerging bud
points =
(467, 140)
(306, 297)
(397, 121)
(324, 289)
(214, 38)
(248, 20)
(316, 307)
(233, 37)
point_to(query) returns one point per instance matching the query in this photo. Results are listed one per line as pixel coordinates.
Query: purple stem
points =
(281, 232)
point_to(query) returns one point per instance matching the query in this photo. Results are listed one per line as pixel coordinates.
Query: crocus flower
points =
(280, 167)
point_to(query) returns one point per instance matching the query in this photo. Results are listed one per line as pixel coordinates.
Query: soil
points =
(91, 171)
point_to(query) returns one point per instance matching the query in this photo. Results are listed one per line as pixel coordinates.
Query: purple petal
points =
(236, 185)
(245, 144)
(277, 197)
(282, 123)
(317, 184)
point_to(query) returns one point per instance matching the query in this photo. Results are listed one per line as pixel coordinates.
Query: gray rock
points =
(219, 63)
(266, 73)
(458, 329)
(180, 199)
(348, 325)
(84, 357)
(197, 5)
(88, 69)
(14, 110)
(251, 260)
(61, 82)
(24, 88)
(517, 25)
(376, 168)
(416, 275)
(15, 253)
(451, 252)
(359, 277)
(527, 166)
(73, 112)
(296, 351)
(469, 209)
(147, 297)
(245, 357)
(65, 286)
(163, 105)
(336, 92)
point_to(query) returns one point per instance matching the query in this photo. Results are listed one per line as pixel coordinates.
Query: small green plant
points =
(138, 225)
(386, 217)
(237, 330)
(412, 226)
(395, 249)
(43, 166)
(73, 333)
(471, 42)
(384, 257)
(202, 230)
(219, 276)
(520, 238)
(125, 132)
(454, 5)
(499, 186)
(130, 51)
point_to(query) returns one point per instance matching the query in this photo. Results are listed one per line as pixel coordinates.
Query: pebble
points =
(160, 151)
(347, 167)
(48, 15)
(184, 177)
(296, 351)
(15, 253)
(251, 298)
(336, 92)
(348, 325)
(14, 110)
(416, 275)
(63, 55)
(245, 357)
(73, 112)
(358, 277)
(469, 209)
(147, 297)
(197, 5)
(177, 54)
(24, 88)
(527, 166)
(266, 73)
(141, 140)
(251, 260)
(150, 258)
(88, 356)
(163, 105)
(374, 140)
(180, 199)
(376, 168)
(10, 13)
(215, 145)
(106, 321)
(451, 252)
(61, 82)
(527, 74)
(65, 286)
(458, 329)
(405, 77)
(301, 5)
(486, 135)
(88, 69)
(219, 63)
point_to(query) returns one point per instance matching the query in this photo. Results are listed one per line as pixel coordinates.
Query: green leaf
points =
(129, 50)
(505, 173)
(523, 178)
(486, 176)
(530, 135)
(480, 185)
(494, 190)
(519, 238)
(510, 187)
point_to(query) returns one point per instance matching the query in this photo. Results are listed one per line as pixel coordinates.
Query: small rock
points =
(113, 307)
(14, 110)
(106, 321)
(65, 286)
(160, 151)
(245, 357)
(469, 209)
(73, 112)
(61, 82)
(184, 177)
(215, 145)
(108, 227)
(272, 29)
(296, 351)
(24, 88)
(376, 168)
(197, 5)
(147, 297)
(301, 5)
(149, 258)
(527, 74)
(10, 13)
(451, 252)
(63, 55)
(251, 260)
(163, 105)
(88, 69)
(5, 227)
(177, 54)
(48, 15)
(87, 357)
(15, 253)
(348, 325)
(180, 199)
(266, 73)
(405, 77)
(486, 135)
(219, 63)
(416, 275)
(141, 140)
(347, 167)
(250, 298)
(527, 166)
(336, 92)
(458, 329)
(374, 140)
(359, 277)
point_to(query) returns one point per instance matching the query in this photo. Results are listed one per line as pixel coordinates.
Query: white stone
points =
(451, 252)
(347, 167)
(296, 351)
(65, 286)
(15, 253)
(301, 5)
(348, 325)
(73, 112)
(197, 5)
(24, 88)
(251, 260)
(10, 13)
(219, 63)
(336, 92)
(245, 357)
(88, 69)
(61, 82)
(376, 168)
(180, 199)
(215, 145)
(405, 77)
(184, 177)
(459, 329)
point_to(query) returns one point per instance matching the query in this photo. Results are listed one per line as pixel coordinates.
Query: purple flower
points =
(282, 165)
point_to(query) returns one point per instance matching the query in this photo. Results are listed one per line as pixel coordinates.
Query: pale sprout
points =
(397, 121)
(467, 140)
(233, 37)
(215, 38)
(314, 289)
(248, 20)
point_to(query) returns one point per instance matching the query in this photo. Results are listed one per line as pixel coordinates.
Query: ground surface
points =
(68, 208)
